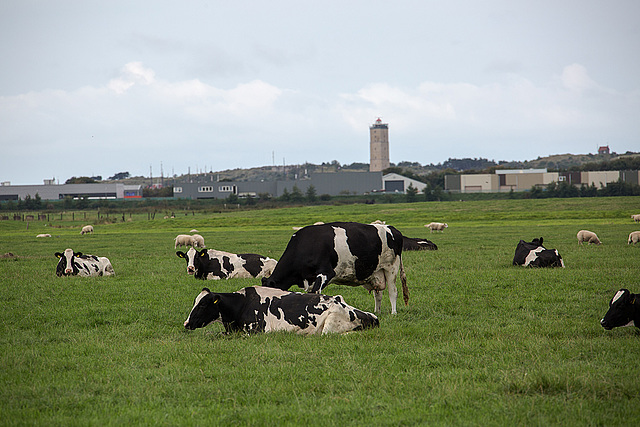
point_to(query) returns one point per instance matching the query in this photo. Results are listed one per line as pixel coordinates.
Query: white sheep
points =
(193, 231)
(636, 218)
(198, 241)
(87, 229)
(588, 236)
(634, 237)
(436, 226)
(183, 240)
(44, 235)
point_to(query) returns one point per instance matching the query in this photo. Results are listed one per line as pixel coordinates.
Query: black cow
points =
(416, 244)
(345, 253)
(533, 254)
(72, 263)
(260, 309)
(212, 264)
(624, 310)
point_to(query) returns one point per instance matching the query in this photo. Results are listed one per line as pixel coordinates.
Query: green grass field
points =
(481, 342)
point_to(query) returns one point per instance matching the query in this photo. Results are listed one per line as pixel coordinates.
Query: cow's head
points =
(206, 309)
(622, 310)
(194, 259)
(66, 266)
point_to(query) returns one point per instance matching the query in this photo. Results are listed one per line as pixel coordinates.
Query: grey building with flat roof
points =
(75, 191)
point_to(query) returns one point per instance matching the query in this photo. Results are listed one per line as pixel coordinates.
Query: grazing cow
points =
(416, 244)
(533, 254)
(260, 309)
(87, 229)
(77, 264)
(212, 264)
(624, 310)
(345, 253)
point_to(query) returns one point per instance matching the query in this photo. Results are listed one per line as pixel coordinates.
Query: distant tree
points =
(80, 180)
(120, 175)
(588, 191)
(232, 198)
(296, 194)
(285, 197)
(311, 194)
(411, 193)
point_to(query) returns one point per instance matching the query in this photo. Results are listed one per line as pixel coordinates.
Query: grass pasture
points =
(481, 342)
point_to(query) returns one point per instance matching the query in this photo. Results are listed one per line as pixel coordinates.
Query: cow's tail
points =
(403, 279)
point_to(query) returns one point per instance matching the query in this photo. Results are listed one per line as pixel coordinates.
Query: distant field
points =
(481, 342)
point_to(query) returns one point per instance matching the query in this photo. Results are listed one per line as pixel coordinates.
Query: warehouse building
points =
(50, 191)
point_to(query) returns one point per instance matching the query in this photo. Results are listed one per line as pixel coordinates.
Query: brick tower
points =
(379, 146)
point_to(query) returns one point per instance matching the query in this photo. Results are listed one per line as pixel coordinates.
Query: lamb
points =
(634, 237)
(87, 229)
(437, 226)
(44, 235)
(588, 236)
(183, 240)
(198, 241)
(636, 218)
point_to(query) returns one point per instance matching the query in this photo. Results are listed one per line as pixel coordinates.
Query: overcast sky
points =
(98, 87)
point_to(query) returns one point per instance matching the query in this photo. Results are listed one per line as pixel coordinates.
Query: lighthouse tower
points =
(379, 146)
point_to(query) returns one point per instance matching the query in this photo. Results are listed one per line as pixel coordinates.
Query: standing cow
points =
(345, 253)
(72, 263)
(212, 264)
(624, 310)
(259, 309)
(417, 244)
(533, 254)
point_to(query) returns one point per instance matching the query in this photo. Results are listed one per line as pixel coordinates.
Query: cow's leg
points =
(321, 281)
(377, 295)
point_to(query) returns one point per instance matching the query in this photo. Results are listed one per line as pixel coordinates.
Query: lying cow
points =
(212, 264)
(416, 244)
(78, 264)
(260, 309)
(533, 254)
(345, 253)
(624, 310)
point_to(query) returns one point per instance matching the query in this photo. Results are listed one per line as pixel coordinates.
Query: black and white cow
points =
(624, 310)
(417, 244)
(72, 263)
(213, 264)
(344, 253)
(260, 309)
(533, 254)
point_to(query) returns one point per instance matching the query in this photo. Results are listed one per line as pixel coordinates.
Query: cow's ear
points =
(201, 253)
(180, 254)
(216, 299)
(58, 254)
(206, 290)
(77, 254)
(541, 240)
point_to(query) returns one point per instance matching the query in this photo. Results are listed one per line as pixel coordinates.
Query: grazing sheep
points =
(198, 241)
(634, 237)
(87, 229)
(588, 236)
(44, 235)
(194, 231)
(636, 218)
(183, 240)
(436, 226)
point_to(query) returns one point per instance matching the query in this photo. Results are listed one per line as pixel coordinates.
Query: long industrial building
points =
(525, 179)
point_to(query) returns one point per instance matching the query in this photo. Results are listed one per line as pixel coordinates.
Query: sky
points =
(92, 88)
